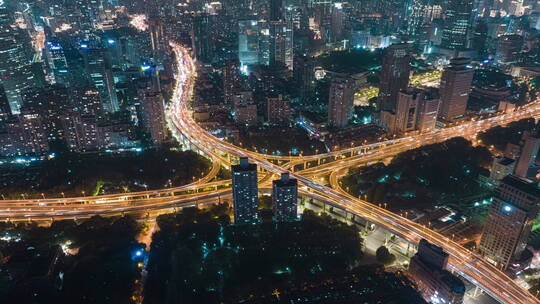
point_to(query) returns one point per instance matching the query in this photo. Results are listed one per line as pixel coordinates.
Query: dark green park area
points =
(424, 177)
(101, 268)
(498, 137)
(197, 256)
(104, 173)
(350, 61)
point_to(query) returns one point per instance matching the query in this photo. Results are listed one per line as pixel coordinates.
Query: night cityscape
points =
(269, 151)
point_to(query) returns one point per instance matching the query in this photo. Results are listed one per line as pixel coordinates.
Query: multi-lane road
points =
(180, 120)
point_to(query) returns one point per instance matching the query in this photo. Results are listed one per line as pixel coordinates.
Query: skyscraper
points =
(97, 66)
(245, 192)
(455, 87)
(340, 100)
(248, 42)
(456, 24)
(337, 22)
(428, 270)
(201, 38)
(285, 198)
(508, 48)
(56, 61)
(428, 109)
(394, 74)
(15, 69)
(278, 110)
(275, 10)
(153, 116)
(527, 158)
(5, 110)
(510, 218)
(231, 79)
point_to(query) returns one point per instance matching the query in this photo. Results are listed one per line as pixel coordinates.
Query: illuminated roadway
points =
(466, 263)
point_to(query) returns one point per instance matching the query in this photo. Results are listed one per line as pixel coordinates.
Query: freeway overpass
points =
(180, 120)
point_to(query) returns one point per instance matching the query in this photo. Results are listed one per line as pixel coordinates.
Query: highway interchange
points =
(305, 168)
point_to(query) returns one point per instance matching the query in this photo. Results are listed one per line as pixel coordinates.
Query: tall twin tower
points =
(246, 195)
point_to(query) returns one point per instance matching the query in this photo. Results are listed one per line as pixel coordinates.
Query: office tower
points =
(5, 110)
(80, 132)
(277, 30)
(278, 110)
(337, 22)
(510, 218)
(427, 268)
(416, 18)
(340, 100)
(231, 79)
(153, 116)
(394, 74)
(501, 167)
(285, 198)
(15, 69)
(49, 103)
(304, 74)
(455, 87)
(97, 66)
(428, 110)
(202, 38)
(23, 134)
(245, 192)
(480, 38)
(248, 43)
(57, 63)
(246, 114)
(527, 158)
(87, 100)
(275, 10)
(406, 110)
(508, 48)
(456, 24)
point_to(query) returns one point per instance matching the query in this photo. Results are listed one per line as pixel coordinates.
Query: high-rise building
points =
(415, 22)
(49, 103)
(15, 69)
(57, 63)
(428, 269)
(275, 10)
(277, 31)
(340, 100)
(406, 110)
(5, 109)
(455, 87)
(245, 192)
(428, 110)
(153, 116)
(394, 74)
(285, 198)
(337, 21)
(202, 39)
(501, 167)
(23, 135)
(80, 132)
(527, 158)
(304, 74)
(278, 110)
(246, 114)
(510, 218)
(480, 38)
(508, 48)
(456, 24)
(97, 66)
(416, 109)
(248, 42)
(231, 79)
